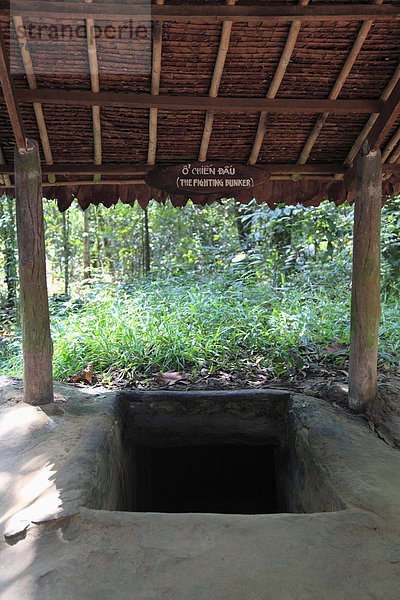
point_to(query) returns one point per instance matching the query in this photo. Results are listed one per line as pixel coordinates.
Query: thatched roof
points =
(292, 88)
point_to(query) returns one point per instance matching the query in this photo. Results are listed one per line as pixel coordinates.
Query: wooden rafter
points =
(386, 119)
(9, 94)
(395, 157)
(95, 86)
(141, 181)
(368, 126)
(215, 83)
(78, 183)
(31, 78)
(155, 87)
(206, 13)
(275, 85)
(140, 170)
(391, 145)
(185, 103)
(351, 58)
(5, 178)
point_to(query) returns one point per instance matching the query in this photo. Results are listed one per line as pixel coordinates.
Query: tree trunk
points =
(142, 257)
(34, 306)
(243, 224)
(10, 263)
(281, 237)
(66, 253)
(146, 249)
(96, 258)
(86, 245)
(365, 297)
(107, 246)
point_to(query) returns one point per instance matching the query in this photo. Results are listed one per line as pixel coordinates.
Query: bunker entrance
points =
(236, 452)
(238, 479)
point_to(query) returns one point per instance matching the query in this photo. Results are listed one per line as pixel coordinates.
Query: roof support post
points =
(36, 339)
(365, 296)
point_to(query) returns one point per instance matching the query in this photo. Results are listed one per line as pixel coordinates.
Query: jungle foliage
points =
(222, 287)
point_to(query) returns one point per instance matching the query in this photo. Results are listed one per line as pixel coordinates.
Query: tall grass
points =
(189, 325)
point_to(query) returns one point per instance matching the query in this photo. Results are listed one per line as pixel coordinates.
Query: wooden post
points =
(365, 297)
(36, 339)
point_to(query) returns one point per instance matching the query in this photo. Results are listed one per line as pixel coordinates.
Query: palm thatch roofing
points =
(112, 90)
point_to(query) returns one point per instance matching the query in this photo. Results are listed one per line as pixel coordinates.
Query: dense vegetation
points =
(199, 289)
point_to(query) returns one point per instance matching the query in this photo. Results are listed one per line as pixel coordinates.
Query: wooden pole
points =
(337, 88)
(9, 94)
(95, 84)
(395, 156)
(31, 78)
(5, 178)
(155, 88)
(387, 118)
(394, 140)
(275, 85)
(371, 121)
(36, 338)
(365, 297)
(215, 83)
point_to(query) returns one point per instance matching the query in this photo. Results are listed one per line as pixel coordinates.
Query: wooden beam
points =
(141, 181)
(365, 295)
(6, 178)
(386, 119)
(368, 126)
(155, 88)
(36, 339)
(86, 169)
(339, 83)
(9, 94)
(275, 85)
(95, 85)
(90, 182)
(395, 157)
(140, 170)
(78, 183)
(153, 127)
(30, 75)
(187, 103)
(204, 13)
(394, 140)
(215, 83)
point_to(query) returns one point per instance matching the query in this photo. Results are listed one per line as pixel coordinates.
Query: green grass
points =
(189, 325)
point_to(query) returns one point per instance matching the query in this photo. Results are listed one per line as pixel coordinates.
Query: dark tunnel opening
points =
(221, 478)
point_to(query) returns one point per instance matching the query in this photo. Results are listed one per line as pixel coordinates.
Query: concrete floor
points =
(54, 547)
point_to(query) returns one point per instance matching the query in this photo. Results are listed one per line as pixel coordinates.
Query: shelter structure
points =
(293, 102)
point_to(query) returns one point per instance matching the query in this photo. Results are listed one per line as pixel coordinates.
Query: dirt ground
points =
(58, 544)
(328, 384)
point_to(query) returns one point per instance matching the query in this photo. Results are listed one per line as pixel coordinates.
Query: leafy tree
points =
(8, 243)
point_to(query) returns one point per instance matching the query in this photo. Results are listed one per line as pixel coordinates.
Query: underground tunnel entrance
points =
(231, 452)
(230, 479)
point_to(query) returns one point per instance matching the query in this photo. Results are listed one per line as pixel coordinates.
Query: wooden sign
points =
(205, 178)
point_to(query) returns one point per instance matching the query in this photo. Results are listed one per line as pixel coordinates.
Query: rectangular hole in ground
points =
(236, 452)
(230, 479)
